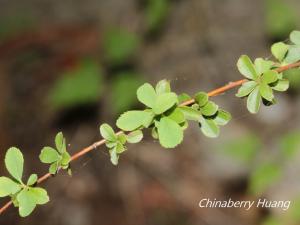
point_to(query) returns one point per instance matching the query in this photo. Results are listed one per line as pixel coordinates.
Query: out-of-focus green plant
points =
(290, 144)
(291, 217)
(123, 90)
(119, 46)
(281, 18)
(82, 85)
(12, 25)
(244, 148)
(271, 220)
(294, 77)
(156, 13)
(263, 177)
(266, 173)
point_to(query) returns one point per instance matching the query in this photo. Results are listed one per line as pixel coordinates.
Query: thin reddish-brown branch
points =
(95, 145)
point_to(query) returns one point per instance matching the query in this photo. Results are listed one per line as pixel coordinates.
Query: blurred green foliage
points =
(247, 149)
(119, 46)
(244, 148)
(281, 18)
(123, 90)
(15, 24)
(270, 220)
(293, 76)
(290, 144)
(263, 177)
(156, 13)
(291, 217)
(81, 85)
(295, 210)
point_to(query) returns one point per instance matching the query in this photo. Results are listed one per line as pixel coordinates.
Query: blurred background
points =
(71, 65)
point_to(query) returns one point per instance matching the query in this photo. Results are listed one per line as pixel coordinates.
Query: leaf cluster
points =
(287, 53)
(263, 80)
(116, 142)
(25, 196)
(208, 115)
(165, 117)
(57, 157)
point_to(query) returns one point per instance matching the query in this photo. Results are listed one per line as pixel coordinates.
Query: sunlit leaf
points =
(132, 120)
(170, 133)
(8, 187)
(246, 67)
(14, 163)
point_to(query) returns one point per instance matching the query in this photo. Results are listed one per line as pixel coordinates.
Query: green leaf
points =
(281, 85)
(209, 127)
(110, 144)
(266, 92)
(246, 89)
(169, 132)
(14, 163)
(26, 203)
(279, 50)
(114, 157)
(8, 187)
(135, 136)
(81, 85)
(209, 109)
(132, 120)
(293, 54)
(53, 168)
(29, 198)
(183, 97)
(201, 98)
(262, 66)
(269, 77)
(107, 132)
(295, 37)
(15, 201)
(222, 117)
(154, 133)
(246, 67)
(164, 102)
(190, 113)
(49, 155)
(195, 107)
(122, 138)
(146, 95)
(65, 159)
(254, 100)
(60, 142)
(163, 87)
(263, 177)
(39, 195)
(120, 148)
(120, 46)
(177, 115)
(32, 179)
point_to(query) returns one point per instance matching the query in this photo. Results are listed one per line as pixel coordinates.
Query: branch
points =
(95, 145)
